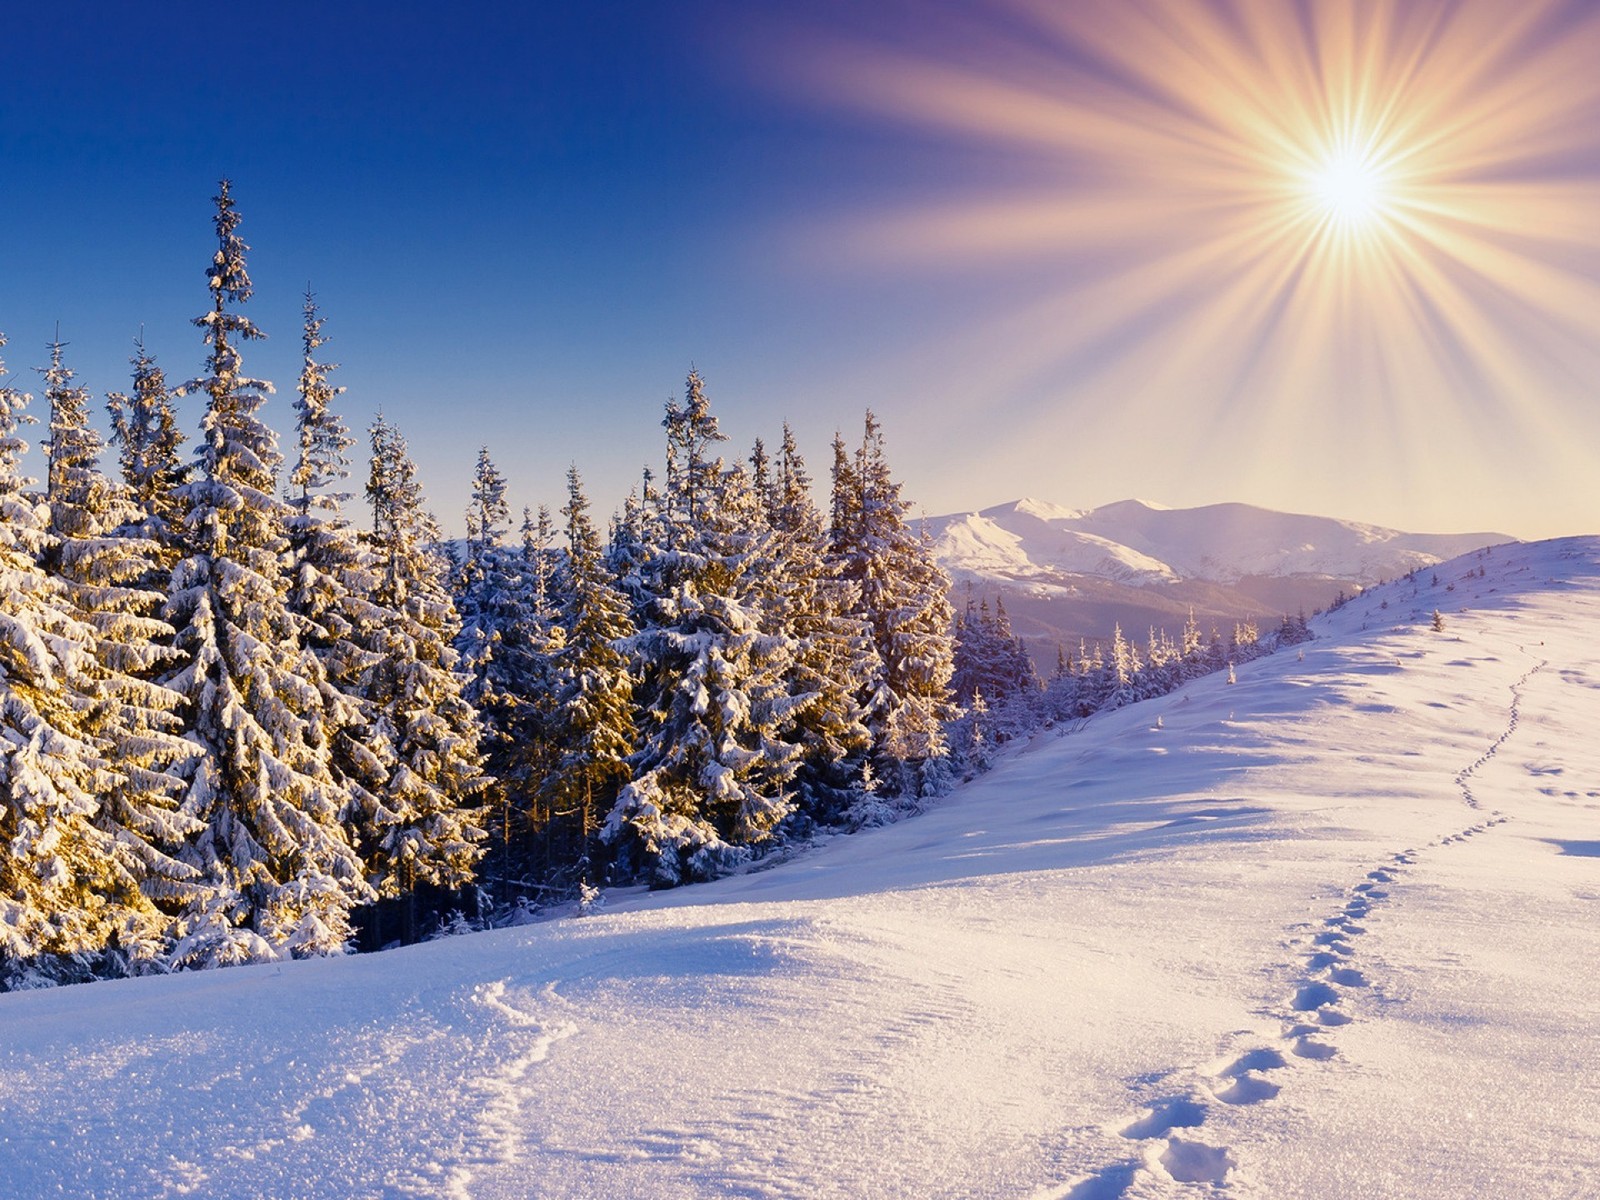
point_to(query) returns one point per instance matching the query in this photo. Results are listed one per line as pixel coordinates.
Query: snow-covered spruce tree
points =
(281, 871)
(425, 836)
(544, 582)
(1122, 671)
(975, 661)
(591, 728)
(714, 763)
(331, 586)
(990, 660)
(832, 649)
(144, 428)
(55, 912)
(503, 652)
(1061, 690)
(903, 598)
(103, 569)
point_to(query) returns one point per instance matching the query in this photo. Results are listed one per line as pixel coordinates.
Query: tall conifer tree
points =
(592, 725)
(53, 905)
(282, 870)
(502, 655)
(144, 428)
(331, 582)
(903, 598)
(104, 568)
(715, 762)
(427, 829)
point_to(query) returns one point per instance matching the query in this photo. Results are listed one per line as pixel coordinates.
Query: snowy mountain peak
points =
(1042, 509)
(1038, 543)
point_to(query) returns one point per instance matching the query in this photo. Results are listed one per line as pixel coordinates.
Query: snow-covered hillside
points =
(1046, 546)
(1065, 574)
(1328, 932)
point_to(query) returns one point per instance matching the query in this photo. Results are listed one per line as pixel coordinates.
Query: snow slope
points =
(1132, 541)
(1327, 932)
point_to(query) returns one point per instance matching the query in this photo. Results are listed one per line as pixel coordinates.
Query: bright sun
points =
(1349, 190)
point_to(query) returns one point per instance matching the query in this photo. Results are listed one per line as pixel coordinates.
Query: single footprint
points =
(1314, 996)
(1262, 1058)
(1309, 1048)
(1177, 1113)
(1195, 1162)
(1108, 1183)
(1248, 1088)
(1347, 977)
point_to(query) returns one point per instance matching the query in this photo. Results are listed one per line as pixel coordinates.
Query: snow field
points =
(1324, 933)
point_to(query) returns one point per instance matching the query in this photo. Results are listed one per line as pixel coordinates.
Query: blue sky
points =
(525, 222)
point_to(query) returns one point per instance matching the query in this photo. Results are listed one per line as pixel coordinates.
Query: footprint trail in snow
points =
(1171, 1148)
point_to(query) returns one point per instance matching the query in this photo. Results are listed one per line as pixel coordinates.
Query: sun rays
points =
(1368, 220)
(1350, 189)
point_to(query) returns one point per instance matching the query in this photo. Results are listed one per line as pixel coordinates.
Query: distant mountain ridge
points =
(1071, 573)
(1045, 545)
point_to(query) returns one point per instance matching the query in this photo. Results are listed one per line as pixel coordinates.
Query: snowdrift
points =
(1326, 932)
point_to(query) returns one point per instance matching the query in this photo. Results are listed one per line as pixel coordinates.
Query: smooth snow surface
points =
(1327, 932)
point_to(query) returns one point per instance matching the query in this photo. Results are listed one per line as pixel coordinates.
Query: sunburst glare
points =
(1366, 225)
(1349, 188)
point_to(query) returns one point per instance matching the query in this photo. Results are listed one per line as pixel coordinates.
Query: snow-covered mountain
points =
(1044, 546)
(1325, 932)
(1071, 572)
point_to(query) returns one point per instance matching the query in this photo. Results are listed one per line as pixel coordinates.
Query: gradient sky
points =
(1052, 245)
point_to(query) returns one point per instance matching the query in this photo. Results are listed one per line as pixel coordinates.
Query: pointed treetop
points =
(227, 276)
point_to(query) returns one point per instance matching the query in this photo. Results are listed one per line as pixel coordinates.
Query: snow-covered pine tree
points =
(715, 762)
(282, 872)
(144, 427)
(592, 727)
(331, 586)
(832, 649)
(903, 599)
(975, 659)
(990, 659)
(502, 654)
(541, 635)
(631, 545)
(1061, 691)
(1159, 674)
(1192, 650)
(103, 567)
(1122, 671)
(54, 913)
(426, 832)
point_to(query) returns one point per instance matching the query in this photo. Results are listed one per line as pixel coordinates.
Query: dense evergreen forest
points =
(238, 723)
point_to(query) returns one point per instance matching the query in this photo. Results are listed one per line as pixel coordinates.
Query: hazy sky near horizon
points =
(1335, 258)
